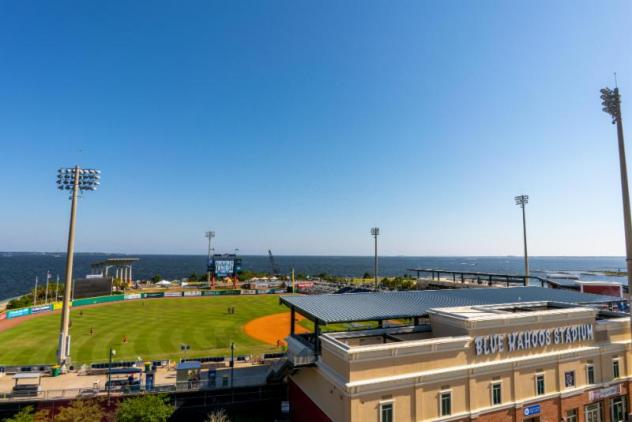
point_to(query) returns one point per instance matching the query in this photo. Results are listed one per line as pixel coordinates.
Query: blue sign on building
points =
(534, 409)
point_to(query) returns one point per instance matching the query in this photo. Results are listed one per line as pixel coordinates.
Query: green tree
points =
(80, 411)
(193, 277)
(156, 278)
(119, 284)
(149, 408)
(24, 415)
(366, 275)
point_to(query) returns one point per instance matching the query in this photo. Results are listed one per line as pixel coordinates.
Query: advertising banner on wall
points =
(248, 292)
(18, 313)
(133, 296)
(153, 295)
(173, 294)
(41, 308)
(94, 300)
(220, 292)
(193, 293)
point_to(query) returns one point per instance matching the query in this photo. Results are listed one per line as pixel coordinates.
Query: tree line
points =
(151, 407)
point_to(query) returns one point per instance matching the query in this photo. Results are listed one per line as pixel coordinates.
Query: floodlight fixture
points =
(611, 102)
(521, 200)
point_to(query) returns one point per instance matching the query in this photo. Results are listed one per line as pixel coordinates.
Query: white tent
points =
(163, 283)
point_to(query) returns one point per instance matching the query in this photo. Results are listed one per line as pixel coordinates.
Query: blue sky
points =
(296, 126)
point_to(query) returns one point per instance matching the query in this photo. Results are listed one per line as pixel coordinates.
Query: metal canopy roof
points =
(27, 375)
(334, 308)
(115, 261)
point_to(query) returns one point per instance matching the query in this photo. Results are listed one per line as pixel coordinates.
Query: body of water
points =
(18, 270)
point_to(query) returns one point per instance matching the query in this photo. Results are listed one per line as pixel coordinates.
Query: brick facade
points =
(305, 410)
(555, 409)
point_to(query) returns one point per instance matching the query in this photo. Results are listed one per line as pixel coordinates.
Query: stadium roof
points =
(115, 261)
(348, 307)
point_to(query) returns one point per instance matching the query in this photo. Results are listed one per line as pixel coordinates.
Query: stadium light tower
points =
(375, 232)
(210, 235)
(75, 180)
(521, 201)
(611, 101)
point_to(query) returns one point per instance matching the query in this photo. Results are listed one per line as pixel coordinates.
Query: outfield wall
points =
(17, 313)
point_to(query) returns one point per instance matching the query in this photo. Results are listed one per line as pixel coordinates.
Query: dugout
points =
(30, 386)
(188, 375)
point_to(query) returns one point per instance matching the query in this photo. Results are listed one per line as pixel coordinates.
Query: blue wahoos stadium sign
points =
(522, 340)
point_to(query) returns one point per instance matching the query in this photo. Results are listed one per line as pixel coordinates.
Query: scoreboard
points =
(224, 265)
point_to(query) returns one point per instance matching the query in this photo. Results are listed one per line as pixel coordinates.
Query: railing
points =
(301, 349)
(221, 380)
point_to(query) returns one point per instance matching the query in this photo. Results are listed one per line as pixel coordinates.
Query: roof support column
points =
(292, 321)
(317, 337)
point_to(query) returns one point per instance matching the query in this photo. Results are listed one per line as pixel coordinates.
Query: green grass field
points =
(155, 328)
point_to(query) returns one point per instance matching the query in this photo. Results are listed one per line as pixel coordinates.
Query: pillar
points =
(316, 337)
(131, 279)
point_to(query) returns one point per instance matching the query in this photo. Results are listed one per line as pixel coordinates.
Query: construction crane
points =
(275, 269)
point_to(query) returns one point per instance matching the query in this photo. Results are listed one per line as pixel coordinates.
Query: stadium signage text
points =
(523, 340)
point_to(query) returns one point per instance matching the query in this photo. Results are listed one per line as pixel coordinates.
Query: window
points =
(386, 412)
(446, 403)
(618, 410)
(615, 368)
(592, 412)
(539, 384)
(569, 379)
(496, 394)
(590, 374)
(571, 415)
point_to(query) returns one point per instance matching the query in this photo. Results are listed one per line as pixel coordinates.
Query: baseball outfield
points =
(152, 329)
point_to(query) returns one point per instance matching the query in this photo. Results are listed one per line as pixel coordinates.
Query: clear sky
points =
(296, 126)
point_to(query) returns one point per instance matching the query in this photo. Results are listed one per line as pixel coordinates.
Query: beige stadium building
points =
(499, 354)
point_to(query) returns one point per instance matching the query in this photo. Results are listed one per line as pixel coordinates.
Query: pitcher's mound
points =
(273, 329)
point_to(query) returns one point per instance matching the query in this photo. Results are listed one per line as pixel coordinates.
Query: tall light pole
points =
(611, 101)
(210, 235)
(47, 280)
(35, 293)
(76, 180)
(521, 201)
(112, 354)
(375, 232)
